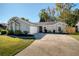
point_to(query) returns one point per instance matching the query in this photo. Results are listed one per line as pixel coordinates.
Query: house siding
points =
(54, 27)
(24, 27)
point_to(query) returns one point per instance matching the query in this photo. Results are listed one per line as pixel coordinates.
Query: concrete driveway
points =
(52, 45)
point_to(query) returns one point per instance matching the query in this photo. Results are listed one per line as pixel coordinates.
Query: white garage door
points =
(33, 29)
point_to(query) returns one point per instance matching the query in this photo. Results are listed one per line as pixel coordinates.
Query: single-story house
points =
(16, 23)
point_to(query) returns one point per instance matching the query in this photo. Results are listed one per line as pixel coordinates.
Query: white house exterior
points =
(16, 23)
(51, 26)
(77, 27)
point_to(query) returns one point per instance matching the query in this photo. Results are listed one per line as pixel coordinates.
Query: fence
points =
(70, 29)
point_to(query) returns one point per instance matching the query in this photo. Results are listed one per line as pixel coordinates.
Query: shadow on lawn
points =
(23, 36)
(37, 36)
(41, 35)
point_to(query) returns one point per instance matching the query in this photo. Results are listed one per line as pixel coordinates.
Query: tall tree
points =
(43, 16)
(76, 15)
(60, 7)
(66, 15)
(51, 13)
(47, 15)
(24, 19)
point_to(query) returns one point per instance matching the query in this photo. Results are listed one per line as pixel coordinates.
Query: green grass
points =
(10, 46)
(75, 35)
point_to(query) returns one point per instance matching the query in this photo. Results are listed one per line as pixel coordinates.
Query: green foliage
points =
(26, 32)
(75, 35)
(24, 19)
(18, 32)
(66, 13)
(71, 21)
(3, 32)
(43, 15)
(51, 14)
(10, 32)
(0, 30)
(47, 15)
(60, 7)
(49, 31)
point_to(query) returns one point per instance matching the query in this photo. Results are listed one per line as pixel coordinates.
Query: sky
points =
(27, 10)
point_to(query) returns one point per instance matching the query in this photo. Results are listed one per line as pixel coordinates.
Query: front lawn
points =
(75, 35)
(11, 45)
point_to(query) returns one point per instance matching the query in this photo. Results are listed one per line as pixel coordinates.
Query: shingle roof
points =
(36, 24)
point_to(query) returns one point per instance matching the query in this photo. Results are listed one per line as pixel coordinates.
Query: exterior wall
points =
(9, 27)
(24, 27)
(51, 28)
(13, 26)
(21, 26)
(61, 25)
(17, 27)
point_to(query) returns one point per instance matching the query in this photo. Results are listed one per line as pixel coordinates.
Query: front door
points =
(59, 29)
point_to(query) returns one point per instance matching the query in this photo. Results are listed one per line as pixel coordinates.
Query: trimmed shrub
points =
(3, 32)
(10, 32)
(25, 32)
(49, 31)
(18, 32)
(0, 31)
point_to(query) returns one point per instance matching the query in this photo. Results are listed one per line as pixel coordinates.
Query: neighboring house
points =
(77, 27)
(16, 23)
(3, 25)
